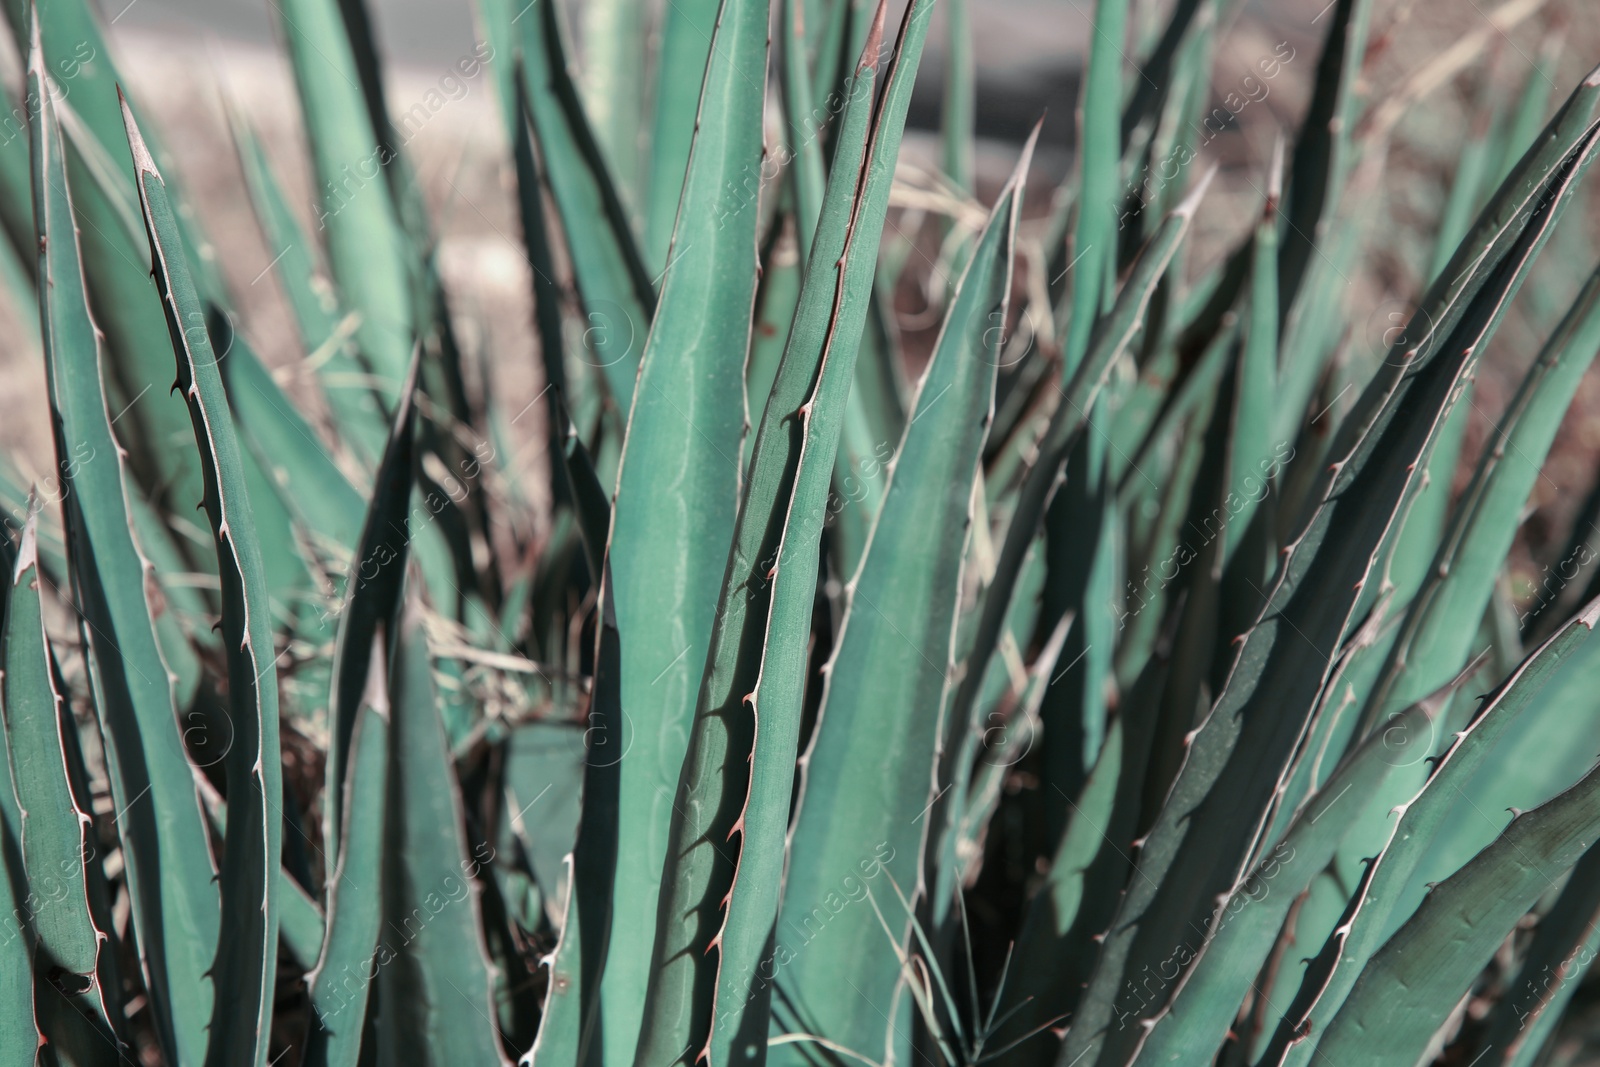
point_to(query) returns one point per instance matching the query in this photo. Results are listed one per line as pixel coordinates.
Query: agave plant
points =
(1099, 697)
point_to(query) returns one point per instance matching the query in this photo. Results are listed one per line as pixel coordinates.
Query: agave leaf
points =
(828, 45)
(412, 211)
(16, 205)
(1316, 176)
(1407, 566)
(1009, 462)
(1161, 72)
(1152, 584)
(19, 1033)
(1060, 435)
(1205, 839)
(572, 998)
(1420, 974)
(284, 564)
(372, 593)
(1564, 944)
(54, 831)
(1066, 903)
(1180, 125)
(170, 871)
(297, 464)
(117, 261)
(559, 1040)
(1316, 179)
(1082, 530)
(367, 245)
(113, 221)
(543, 782)
(246, 958)
(340, 978)
(1250, 449)
(1009, 738)
(300, 921)
(324, 332)
(614, 34)
(1461, 578)
(186, 624)
(76, 52)
(160, 454)
(1529, 768)
(1195, 581)
(1499, 226)
(808, 171)
(857, 496)
(443, 371)
(782, 272)
(678, 487)
(1460, 575)
(96, 884)
(688, 33)
(434, 979)
(874, 417)
(1475, 166)
(1310, 342)
(1360, 933)
(957, 115)
(546, 292)
(589, 499)
(964, 810)
(1188, 392)
(865, 804)
(1532, 104)
(356, 801)
(117, 268)
(715, 788)
(1094, 236)
(614, 287)
(1245, 924)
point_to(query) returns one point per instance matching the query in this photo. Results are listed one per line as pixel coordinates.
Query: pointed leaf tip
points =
(142, 160)
(1186, 208)
(35, 46)
(869, 51)
(1019, 177)
(1275, 174)
(28, 553)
